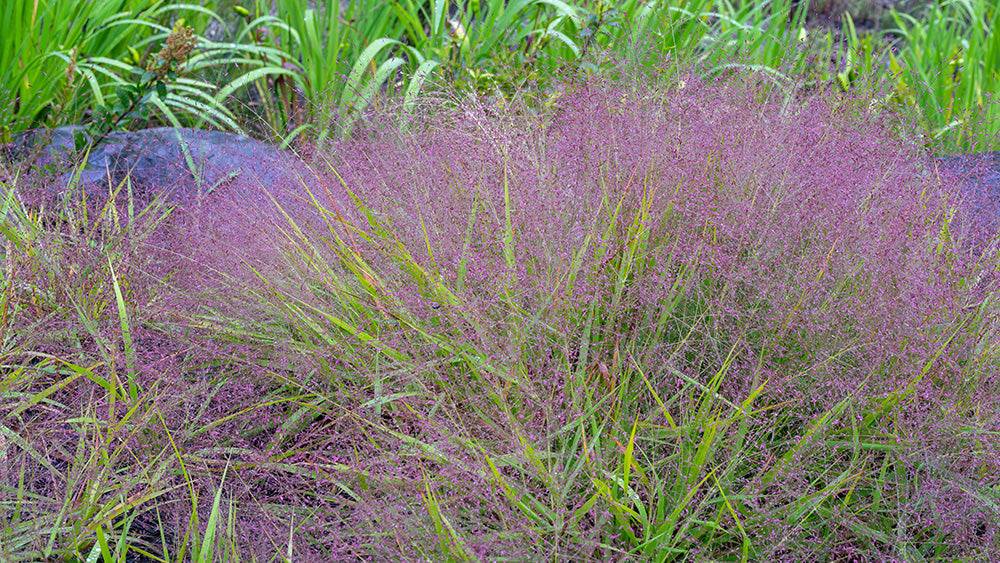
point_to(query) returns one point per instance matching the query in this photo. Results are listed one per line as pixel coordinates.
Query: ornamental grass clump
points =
(644, 323)
(625, 323)
(808, 234)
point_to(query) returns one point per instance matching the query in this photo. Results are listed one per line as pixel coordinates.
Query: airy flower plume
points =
(633, 324)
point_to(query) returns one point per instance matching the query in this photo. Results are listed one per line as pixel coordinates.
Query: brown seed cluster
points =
(176, 50)
(71, 67)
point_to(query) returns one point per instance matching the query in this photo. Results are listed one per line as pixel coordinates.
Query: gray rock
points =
(978, 176)
(981, 170)
(155, 162)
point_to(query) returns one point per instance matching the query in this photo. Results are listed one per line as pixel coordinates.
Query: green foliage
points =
(949, 67)
(313, 68)
(47, 45)
(345, 54)
(133, 100)
(64, 62)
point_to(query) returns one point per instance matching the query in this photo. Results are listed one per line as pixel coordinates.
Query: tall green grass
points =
(39, 40)
(345, 54)
(62, 61)
(949, 67)
(761, 36)
(313, 68)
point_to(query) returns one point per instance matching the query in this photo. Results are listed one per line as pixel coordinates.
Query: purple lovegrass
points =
(631, 323)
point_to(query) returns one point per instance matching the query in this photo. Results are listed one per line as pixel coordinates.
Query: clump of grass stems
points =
(635, 323)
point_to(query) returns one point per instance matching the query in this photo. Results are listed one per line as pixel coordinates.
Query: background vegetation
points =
(314, 66)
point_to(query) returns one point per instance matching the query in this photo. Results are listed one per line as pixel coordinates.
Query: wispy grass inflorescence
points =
(629, 324)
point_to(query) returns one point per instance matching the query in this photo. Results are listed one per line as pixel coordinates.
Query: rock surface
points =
(982, 169)
(978, 175)
(156, 163)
